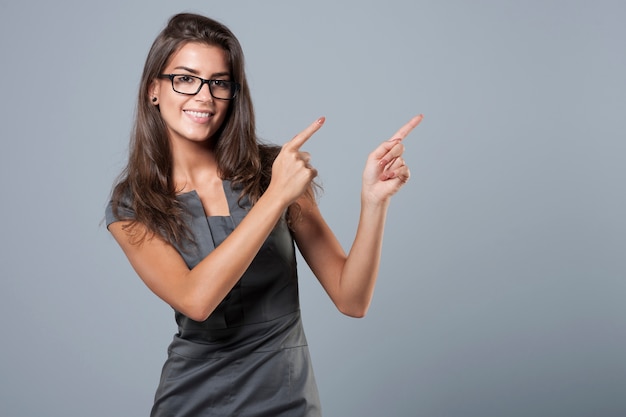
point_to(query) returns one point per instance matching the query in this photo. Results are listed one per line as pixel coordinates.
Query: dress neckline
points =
(232, 199)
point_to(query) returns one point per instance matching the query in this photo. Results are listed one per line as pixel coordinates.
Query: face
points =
(192, 118)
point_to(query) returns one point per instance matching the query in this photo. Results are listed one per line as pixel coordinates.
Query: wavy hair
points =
(146, 185)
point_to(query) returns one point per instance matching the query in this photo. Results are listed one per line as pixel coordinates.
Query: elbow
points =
(356, 314)
(196, 311)
(198, 315)
(354, 311)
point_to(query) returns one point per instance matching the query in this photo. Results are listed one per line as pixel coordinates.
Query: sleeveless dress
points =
(250, 357)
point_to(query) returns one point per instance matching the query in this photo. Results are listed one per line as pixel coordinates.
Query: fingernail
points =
(383, 162)
(321, 120)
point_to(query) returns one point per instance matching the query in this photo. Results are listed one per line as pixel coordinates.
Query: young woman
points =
(208, 217)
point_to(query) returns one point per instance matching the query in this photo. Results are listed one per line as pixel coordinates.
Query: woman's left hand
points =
(385, 170)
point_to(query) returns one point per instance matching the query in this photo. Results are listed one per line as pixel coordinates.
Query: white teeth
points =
(197, 113)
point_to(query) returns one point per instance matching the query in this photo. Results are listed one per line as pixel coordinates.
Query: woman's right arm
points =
(197, 292)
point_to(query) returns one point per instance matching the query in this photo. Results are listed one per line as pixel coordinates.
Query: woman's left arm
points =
(349, 279)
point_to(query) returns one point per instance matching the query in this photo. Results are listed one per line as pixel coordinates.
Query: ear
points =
(154, 91)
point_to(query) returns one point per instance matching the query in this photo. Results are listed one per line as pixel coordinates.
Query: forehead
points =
(200, 57)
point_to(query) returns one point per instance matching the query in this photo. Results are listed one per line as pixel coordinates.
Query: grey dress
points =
(250, 357)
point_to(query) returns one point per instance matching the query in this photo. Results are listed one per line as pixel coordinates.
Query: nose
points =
(205, 93)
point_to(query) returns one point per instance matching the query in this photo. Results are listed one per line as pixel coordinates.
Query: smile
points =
(197, 113)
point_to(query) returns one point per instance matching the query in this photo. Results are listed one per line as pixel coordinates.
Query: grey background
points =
(502, 286)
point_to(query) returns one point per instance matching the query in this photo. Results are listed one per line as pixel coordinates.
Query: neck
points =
(194, 163)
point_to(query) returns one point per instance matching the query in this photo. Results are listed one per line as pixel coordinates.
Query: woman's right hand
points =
(291, 172)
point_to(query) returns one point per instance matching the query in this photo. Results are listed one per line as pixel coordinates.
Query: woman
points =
(208, 218)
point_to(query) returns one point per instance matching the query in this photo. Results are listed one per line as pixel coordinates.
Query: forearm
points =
(359, 273)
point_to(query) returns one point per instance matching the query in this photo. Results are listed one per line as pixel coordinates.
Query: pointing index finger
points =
(303, 136)
(406, 129)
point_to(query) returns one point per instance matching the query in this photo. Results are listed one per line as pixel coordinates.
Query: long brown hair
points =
(146, 185)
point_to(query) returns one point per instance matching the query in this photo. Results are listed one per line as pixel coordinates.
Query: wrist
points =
(275, 197)
(371, 201)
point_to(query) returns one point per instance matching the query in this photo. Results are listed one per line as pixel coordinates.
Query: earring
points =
(154, 99)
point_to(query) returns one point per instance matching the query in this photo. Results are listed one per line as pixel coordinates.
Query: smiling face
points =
(192, 117)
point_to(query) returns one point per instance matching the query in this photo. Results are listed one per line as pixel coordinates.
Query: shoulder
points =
(120, 206)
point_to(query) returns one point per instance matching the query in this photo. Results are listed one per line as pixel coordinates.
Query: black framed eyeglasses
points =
(191, 85)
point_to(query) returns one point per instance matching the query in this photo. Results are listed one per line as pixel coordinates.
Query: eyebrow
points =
(191, 70)
(195, 72)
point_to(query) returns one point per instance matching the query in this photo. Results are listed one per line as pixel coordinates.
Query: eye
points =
(185, 79)
(221, 83)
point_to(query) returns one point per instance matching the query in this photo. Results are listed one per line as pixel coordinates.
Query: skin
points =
(348, 279)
